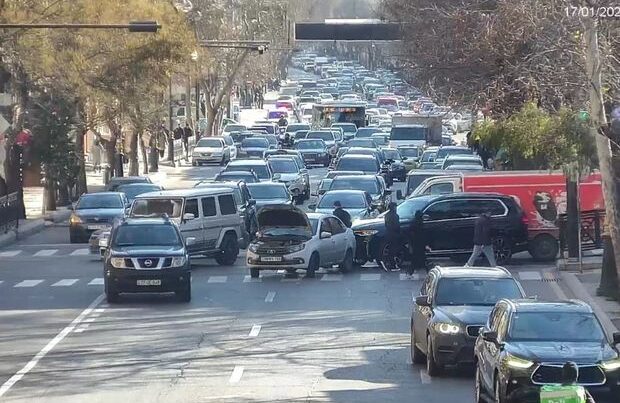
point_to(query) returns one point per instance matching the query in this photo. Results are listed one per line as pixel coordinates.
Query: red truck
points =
(541, 194)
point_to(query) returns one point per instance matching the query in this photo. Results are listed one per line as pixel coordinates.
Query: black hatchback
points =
(147, 255)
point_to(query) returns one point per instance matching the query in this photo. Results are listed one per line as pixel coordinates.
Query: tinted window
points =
(157, 207)
(109, 201)
(325, 136)
(555, 326)
(408, 133)
(215, 143)
(461, 291)
(369, 185)
(493, 207)
(282, 165)
(325, 226)
(336, 226)
(146, 235)
(427, 156)
(234, 128)
(413, 181)
(410, 152)
(227, 205)
(191, 206)
(275, 191)
(260, 170)
(446, 210)
(358, 164)
(391, 155)
(310, 145)
(255, 142)
(408, 208)
(315, 223)
(133, 190)
(208, 206)
(351, 200)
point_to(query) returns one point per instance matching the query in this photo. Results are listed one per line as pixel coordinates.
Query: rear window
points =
(358, 164)
(260, 170)
(95, 201)
(213, 143)
(255, 142)
(227, 205)
(157, 207)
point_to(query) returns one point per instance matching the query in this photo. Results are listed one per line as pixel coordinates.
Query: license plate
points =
(271, 259)
(148, 282)
(98, 226)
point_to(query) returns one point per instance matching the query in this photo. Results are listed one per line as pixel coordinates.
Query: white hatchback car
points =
(290, 239)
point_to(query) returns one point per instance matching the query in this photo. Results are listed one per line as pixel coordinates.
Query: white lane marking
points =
(281, 271)
(80, 252)
(236, 375)
(46, 252)
(65, 282)
(28, 283)
(249, 279)
(270, 296)
(530, 276)
(406, 277)
(89, 320)
(10, 253)
(370, 276)
(6, 386)
(557, 290)
(254, 331)
(96, 281)
(217, 279)
(99, 310)
(424, 377)
(331, 277)
(81, 328)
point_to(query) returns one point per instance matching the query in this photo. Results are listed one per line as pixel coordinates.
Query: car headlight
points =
(611, 365)
(447, 328)
(178, 261)
(366, 232)
(253, 247)
(103, 242)
(296, 248)
(517, 362)
(118, 262)
(75, 219)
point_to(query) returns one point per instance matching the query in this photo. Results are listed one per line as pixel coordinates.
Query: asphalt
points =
(336, 338)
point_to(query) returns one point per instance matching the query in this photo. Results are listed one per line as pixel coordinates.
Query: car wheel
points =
(347, 264)
(229, 251)
(503, 250)
(313, 265)
(385, 253)
(478, 387)
(254, 273)
(417, 357)
(544, 248)
(185, 295)
(432, 367)
(497, 391)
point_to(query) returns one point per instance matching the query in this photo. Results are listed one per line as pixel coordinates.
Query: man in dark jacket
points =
(187, 134)
(392, 238)
(342, 214)
(483, 243)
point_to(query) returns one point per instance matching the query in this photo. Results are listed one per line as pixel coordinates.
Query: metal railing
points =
(9, 212)
(591, 229)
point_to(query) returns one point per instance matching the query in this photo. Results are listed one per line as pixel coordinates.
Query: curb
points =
(32, 227)
(579, 291)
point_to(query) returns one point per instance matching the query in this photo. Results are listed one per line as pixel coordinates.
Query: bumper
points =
(453, 349)
(203, 159)
(297, 260)
(126, 280)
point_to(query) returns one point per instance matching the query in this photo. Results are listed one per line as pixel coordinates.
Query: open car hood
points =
(283, 222)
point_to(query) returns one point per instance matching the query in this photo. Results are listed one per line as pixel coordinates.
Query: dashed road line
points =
(89, 320)
(370, 276)
(45, 252)
(254, 331)
(28, 283)
(10, 253)
(236, 375)
(65, 282)
(80, 252)
(81, 328)
(96, 281)
(217, 279)
(331, 277)
(270, 296)
(530, 275)
(407, 277)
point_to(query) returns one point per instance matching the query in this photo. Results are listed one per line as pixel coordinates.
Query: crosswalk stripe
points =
(10, 253)
(65, 282)
(217, 279)
(28, 283)
(96, 281)
(405, 277)
(331, 277)
(81, 328)
(530, 276)
(370, 276)
(46, 252)
(80, 252)
(249, 279)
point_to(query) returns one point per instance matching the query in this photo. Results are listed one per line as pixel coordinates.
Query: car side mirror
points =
(490, 336)
(190, 241)
(405, 158)
(311, 207)
(422, 300)
(188, 216)
(616, 338)
(325, 235)
(276, 177)
(399, 195)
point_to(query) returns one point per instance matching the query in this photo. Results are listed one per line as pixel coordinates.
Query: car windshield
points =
(364, 143)
(366, 132)
(473, 291)
(294, 128)
(391, 155)
(283, 166)
(275, 191)
(310, 145)
(146, 235)
(157, 207)
(255, 142)
(444, 152)
(348, 200)
(410, 152)
(358, 164)
(234, 176)
(366, 184)
(325, 136)
(99, 201)
(346, 128)
(413, 181)
(260, 170)
(408, 133)
(555, 326)
(131, 191)
(212, 143)
(470, 161)
(428, 155)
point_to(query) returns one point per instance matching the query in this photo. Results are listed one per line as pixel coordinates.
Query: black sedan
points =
(95, 211)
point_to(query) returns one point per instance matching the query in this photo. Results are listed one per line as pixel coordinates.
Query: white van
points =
(210, 215)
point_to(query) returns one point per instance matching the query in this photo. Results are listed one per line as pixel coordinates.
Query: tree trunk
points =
(50, 195)
(82, 186)
(603, 145)
(134, 168)
(63, 195)
(211, 116)
(143, 151)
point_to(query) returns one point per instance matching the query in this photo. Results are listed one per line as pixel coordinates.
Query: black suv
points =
(449, 226)
(147, 255)
(454, 303)
(525, 343)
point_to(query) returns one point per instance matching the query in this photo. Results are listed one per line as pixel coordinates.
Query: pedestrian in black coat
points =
(392, 238)
(342, 214)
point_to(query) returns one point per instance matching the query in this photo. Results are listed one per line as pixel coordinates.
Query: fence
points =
(9, 212)
(591, 229)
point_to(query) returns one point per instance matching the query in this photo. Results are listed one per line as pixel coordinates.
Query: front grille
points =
(589, 375)
(473, 331)
(167, 262)
(310, 156)
(97, 220)
(272, 250)
(142, 263)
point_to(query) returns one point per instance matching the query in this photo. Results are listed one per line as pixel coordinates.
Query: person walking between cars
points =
(342, 214)
(187, 134)
(419, 244)
(392, 238)
(483, 243)
(568, 390)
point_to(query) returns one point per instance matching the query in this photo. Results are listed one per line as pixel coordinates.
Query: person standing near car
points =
(483, 242)
(342, 214)
(392, 238)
